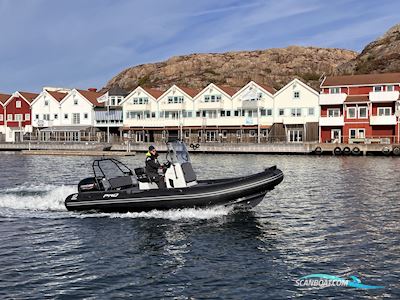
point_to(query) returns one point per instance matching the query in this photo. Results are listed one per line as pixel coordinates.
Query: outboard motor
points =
(87, 184)
(180, 173)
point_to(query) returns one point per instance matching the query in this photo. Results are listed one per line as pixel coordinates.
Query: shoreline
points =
(103, 149)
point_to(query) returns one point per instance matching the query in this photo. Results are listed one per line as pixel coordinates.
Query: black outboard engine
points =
(87, 185)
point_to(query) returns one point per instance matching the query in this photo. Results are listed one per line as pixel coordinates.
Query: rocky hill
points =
(379, 56)
(274, 67)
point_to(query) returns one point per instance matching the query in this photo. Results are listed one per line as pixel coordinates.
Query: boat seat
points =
(120, 182)
(141, 175)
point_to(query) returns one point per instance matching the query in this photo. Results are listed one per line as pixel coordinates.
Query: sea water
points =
(330, 215)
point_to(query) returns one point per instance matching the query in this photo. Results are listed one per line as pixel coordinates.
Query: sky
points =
(84, 43)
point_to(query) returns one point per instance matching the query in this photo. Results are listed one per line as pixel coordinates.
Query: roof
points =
(191, 92)
(356, 98)
(117, 91)
(29, 96)
(91, 96)
(4, 98)
(267, 88)
(229, 90)
(367, 79)
(57, 95)
(154, 92)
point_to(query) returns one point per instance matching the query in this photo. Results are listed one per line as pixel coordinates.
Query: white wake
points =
(41, 198)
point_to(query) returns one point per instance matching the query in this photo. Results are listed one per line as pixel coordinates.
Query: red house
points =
(360, 108)
(17, 116)
(3, 100)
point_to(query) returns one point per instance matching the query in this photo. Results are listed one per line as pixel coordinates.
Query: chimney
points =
(92, 89)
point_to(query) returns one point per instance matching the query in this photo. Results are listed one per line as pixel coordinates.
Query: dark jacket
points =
(152, 165)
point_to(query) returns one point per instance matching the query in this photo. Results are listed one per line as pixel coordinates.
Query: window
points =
(27, 117)
(75, 101)
(1, 118)
(9, 117)
(228, 113)
(269, 112)
(238, 133)
(218, 98)
(46, 117)
(140, 100)
(378, 88)
(18, 117)
(263, 112)
(206, 98)
(18, 104)
(296, 112)
(212, 98)
(333, 112)
(187, 134)
(76, 118)
(37, 117)
(236, 113)
(224, 134)
(311, 111)
(65, 116)
(357, 133)
(222, 113)
(296, 95)
(46, 102)
(85, 115)
(351, 112)
(153, 114)
(384, 111)
(281, 112)
(55, 116)
(363, 112)
(390, 88)
(352, 133)
(335, 90)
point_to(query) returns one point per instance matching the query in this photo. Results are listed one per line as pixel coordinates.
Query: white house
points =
(46, 108)
(296, 113)
(140, 111)
(75, 118)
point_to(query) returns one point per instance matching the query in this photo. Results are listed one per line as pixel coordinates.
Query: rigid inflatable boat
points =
(115, 188)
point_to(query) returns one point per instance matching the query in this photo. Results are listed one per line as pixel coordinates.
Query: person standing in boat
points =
(153, 166)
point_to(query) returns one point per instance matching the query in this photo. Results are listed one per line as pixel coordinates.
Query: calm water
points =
(331, 215)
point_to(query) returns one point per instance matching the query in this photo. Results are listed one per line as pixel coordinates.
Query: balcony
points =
(331, 121)
(383, 96)
(209, 105)
(383, 120)
(332, 99)
(42, 123)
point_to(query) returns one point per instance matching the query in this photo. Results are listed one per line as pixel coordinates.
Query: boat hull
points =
(245, 191)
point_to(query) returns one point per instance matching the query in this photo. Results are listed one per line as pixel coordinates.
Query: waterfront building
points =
(17, 116)
(296, 113)
(66, 115)
(141, 121)
(3, 100)
(109, 117)
(360, 108)
(214, 114)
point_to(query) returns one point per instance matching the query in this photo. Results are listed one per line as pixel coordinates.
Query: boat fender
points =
(337, 151)
(197, 146)
(191, 145)
(386, 150)
(396, 151)
(346, 150)
(356, 151)
(318, 151)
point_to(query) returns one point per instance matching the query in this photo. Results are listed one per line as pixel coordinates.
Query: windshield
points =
(110, 168)
(177, 152)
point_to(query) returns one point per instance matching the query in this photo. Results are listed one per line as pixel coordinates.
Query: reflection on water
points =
(334, 215)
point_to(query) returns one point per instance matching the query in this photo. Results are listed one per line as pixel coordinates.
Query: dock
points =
(103, 149)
